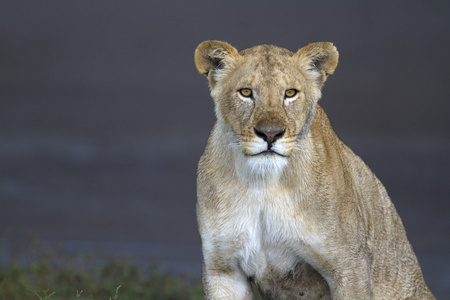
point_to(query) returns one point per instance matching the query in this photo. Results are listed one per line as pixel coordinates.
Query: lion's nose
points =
(270, 135)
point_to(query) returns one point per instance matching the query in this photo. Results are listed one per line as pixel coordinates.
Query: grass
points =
(46, 275)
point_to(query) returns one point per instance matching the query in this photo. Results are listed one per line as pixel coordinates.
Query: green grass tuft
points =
(114, 280)
(49, 277)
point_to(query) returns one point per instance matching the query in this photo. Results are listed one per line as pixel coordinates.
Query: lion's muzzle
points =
(269, 135)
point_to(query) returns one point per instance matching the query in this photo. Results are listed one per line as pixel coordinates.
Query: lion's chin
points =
(267, 162)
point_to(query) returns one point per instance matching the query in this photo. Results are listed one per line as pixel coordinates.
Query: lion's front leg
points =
(225, 283)
(349, 288)
(351, 280)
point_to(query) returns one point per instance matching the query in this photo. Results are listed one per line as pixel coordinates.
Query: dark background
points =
(103, 116)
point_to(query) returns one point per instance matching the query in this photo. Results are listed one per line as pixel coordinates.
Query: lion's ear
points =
(211, 55)
(321, 57)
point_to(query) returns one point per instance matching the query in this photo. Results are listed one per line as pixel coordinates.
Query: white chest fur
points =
(268, 231)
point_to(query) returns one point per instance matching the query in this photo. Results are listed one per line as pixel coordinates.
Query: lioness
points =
(282, 202)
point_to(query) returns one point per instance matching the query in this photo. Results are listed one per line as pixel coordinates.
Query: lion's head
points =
(266, 95)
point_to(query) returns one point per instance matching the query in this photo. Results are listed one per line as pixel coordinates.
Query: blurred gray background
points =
(103, 116)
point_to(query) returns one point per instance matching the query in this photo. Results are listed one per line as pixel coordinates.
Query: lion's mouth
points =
(268, 153)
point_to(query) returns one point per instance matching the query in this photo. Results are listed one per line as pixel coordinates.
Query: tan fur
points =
(306, 220)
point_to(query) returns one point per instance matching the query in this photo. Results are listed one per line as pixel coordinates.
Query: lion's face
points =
(266, 95)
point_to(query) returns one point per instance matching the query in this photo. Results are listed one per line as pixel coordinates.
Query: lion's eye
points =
(247, 93)
(290, 93)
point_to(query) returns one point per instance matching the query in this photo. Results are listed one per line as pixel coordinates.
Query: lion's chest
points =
(272, 232)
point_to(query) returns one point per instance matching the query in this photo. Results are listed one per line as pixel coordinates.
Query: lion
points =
(283, 204)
